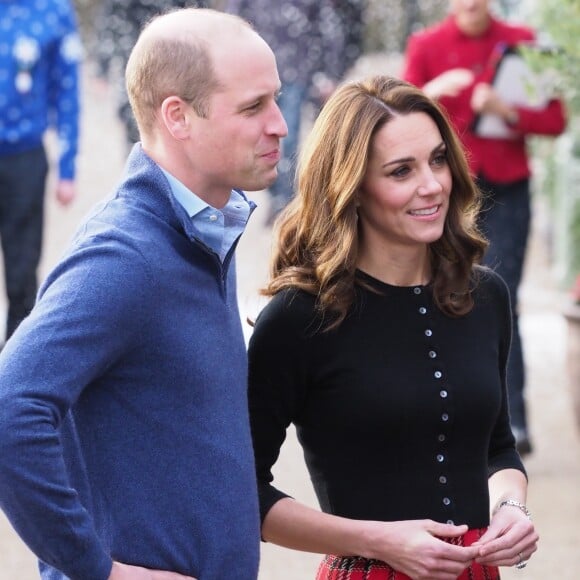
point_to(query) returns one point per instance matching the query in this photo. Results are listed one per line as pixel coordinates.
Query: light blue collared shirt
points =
(216, 228)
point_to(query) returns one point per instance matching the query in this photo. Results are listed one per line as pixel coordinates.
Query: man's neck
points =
(474, 28)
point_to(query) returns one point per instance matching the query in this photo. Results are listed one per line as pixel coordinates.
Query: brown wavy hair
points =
(317, 234)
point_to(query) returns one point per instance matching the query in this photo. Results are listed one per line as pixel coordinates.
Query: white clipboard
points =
(516, 84)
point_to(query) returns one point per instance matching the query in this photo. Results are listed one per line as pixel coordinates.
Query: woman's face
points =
(404, 196)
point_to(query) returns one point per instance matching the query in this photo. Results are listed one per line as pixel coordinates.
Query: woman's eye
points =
(440, 159)
(400, 171)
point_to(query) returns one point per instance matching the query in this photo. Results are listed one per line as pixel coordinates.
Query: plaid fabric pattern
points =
(357, 568)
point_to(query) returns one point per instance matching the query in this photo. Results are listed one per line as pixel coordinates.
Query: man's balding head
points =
(174, 55)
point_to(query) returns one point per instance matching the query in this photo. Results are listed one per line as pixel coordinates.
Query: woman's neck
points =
(406, 267)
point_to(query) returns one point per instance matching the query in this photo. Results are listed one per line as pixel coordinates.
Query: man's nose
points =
(277, 125)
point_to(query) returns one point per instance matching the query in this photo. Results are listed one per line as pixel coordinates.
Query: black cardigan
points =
(402, 411)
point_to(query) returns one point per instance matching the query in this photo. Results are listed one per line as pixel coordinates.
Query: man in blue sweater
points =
(125, 449)
(40, 52)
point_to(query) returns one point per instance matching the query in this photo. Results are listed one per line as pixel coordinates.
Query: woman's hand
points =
(414, 547)
(417, 548)
(485, 99)
(510, 539)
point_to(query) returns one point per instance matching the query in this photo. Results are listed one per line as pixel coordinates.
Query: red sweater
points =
(443, 47)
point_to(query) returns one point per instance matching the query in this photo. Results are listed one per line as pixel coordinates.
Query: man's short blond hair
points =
(173, 56)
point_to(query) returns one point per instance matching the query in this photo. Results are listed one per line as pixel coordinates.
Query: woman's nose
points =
(430, 185)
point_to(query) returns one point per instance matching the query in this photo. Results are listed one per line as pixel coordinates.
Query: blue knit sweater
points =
(124, 429)
(40, 52)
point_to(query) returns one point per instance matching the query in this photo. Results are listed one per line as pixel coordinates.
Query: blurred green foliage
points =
(558, 22)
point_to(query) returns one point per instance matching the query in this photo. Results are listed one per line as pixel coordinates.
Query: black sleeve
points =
(278, 382)
(502, 450)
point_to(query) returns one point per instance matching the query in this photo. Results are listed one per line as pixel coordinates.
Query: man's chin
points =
(264, 182)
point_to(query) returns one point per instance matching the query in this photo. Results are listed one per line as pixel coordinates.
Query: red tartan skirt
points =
(356, 568)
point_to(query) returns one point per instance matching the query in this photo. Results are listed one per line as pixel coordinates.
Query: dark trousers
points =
(505, 221)
(22, 187)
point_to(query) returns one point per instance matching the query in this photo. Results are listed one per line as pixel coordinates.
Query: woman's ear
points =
(174, 114)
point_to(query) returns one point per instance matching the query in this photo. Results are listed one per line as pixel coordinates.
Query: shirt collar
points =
(190, 202)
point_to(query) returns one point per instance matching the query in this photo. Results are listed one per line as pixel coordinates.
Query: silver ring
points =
(522, 563)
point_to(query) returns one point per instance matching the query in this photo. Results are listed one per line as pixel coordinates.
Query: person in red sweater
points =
(454, 62)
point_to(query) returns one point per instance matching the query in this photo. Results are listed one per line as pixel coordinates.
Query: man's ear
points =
(174, 114)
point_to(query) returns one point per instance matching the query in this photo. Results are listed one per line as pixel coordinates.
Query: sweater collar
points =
(154, 190)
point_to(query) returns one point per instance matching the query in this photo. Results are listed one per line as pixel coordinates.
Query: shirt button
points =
(440, 458)
(422, 310)
(417, 290)
(442, 479)
(444, 417)
(213, 217)
(432, 354)
(446, 501)
(441, 437)
(428, 332)
(443, 394)
(437, 374)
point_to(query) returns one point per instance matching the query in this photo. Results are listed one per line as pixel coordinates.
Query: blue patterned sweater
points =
(40, 52)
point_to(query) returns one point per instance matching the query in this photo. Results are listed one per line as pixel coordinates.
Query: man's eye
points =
(253, 107)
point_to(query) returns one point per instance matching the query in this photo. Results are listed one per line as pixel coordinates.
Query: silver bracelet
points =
(516, 504)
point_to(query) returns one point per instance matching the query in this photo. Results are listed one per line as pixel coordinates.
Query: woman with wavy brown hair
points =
(385, 344)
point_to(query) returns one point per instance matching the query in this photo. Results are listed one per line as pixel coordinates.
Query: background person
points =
(125, 445)
(386, 346)
(118, 26)
(308, 38)
(453, 61)
(40, 53)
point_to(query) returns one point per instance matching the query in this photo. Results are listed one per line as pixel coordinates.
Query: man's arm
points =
(67, 341)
